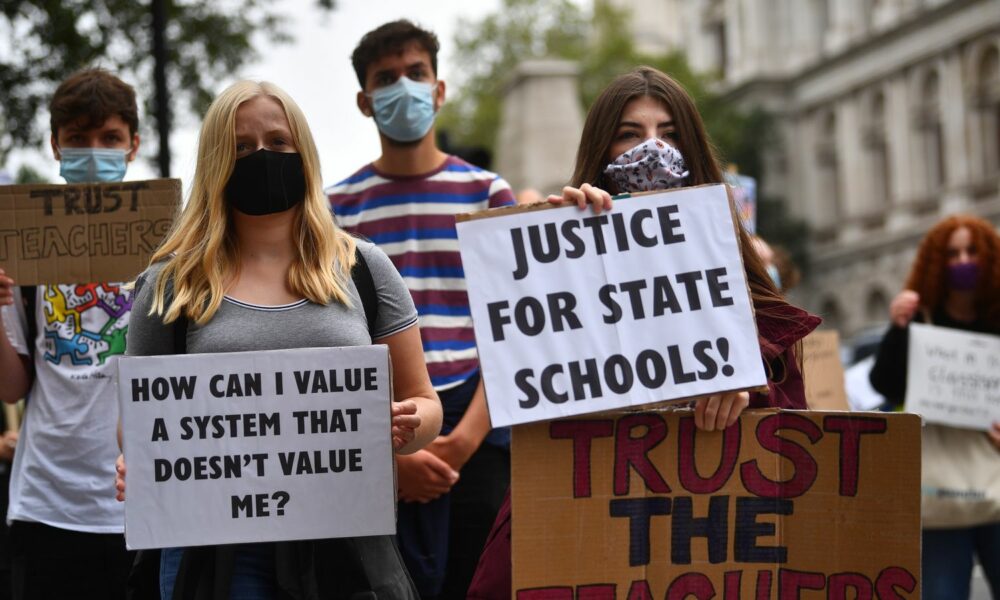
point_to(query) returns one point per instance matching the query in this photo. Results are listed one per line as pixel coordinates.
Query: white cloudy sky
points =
(316, 70)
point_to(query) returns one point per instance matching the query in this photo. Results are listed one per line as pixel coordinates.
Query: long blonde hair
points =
(200, 252)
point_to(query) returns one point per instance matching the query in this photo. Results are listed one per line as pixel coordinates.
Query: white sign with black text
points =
(953, 376)
(257, 446)
(577, 313)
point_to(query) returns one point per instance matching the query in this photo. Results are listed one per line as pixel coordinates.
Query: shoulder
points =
(498, 191)
(781, 325)
(355, 183)
(376, 259)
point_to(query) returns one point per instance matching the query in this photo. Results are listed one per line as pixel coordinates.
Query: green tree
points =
(27, 174)
(46, 40)
(601, 42)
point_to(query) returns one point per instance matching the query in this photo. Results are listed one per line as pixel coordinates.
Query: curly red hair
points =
(929, 275)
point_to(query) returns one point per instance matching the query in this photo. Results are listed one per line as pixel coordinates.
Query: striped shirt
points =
(412, 219)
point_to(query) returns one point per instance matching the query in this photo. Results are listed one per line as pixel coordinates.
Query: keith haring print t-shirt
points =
(64, 467)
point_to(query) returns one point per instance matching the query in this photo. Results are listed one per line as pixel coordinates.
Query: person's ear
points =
(439, 99)
(55, 146)
(135, 149)
(364, 105)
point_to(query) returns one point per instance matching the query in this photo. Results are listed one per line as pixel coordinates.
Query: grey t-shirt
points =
(240, 327)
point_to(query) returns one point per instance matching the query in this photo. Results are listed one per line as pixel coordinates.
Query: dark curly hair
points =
(390, 39)
(929, 275)
(89, 97)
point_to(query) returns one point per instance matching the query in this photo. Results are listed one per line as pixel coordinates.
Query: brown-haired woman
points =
(644, 133)
(954, 282)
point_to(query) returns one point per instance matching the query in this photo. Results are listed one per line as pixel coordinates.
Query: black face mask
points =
(266, 182)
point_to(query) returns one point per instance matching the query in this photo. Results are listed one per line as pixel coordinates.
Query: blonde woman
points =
(255, 262)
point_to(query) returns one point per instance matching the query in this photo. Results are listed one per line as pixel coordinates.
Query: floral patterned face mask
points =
(652, 165)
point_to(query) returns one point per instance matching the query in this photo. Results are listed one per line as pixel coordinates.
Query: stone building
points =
(888, 114)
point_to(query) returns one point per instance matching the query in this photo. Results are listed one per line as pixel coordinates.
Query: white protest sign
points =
(257, 446)
(576, 313)
(953, 376)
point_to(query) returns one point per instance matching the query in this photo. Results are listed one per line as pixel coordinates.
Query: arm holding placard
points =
(15, 367)
(888, 374)
(416, 413)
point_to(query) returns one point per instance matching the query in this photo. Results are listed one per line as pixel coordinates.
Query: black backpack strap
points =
(29, 294)
(365, 284)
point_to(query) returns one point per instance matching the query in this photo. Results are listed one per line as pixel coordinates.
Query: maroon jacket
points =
(777, 332)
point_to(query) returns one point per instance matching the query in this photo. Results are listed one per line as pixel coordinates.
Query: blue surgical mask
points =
(775, 275)
(404, 111)
(92, 165)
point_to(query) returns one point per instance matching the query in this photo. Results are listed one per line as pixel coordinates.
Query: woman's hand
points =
(582, 196)
(120, 478)
(903, 308)
(719, 411)
(405, 422)
(994, 435)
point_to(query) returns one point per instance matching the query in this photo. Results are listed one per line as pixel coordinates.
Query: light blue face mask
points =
(772, 270)
(404, 111)
(92, 165)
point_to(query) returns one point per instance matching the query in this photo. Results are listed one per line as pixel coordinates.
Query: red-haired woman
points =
(954, 282)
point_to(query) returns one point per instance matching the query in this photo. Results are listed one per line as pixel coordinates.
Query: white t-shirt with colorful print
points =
(64, 466)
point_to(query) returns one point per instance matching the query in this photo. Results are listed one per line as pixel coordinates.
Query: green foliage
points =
(488, 50)
(46, 40)
(27, 174)
(601, 42)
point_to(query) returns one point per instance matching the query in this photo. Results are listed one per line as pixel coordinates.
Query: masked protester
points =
(281, 277)
(643, 133)
(954, 282)
(406, 201)
(58, 343)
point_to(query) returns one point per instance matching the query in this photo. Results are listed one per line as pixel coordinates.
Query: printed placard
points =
(577, 313)
(953, 376)
(83, 233)
(785, 504)
(257, 446)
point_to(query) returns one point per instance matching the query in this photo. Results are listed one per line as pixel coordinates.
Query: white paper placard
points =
(953, 376)
(576, 313)
(257, 446)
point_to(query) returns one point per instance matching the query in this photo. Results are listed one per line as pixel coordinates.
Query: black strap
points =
(29, 294)
(365, 284)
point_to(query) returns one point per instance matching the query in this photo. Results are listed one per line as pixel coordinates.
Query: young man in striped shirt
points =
(406, 201)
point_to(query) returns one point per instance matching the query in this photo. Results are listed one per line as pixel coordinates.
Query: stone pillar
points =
(540, 125)
(898, 124)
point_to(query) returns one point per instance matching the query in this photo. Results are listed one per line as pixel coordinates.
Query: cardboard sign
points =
(257, 446)
(822, 371)
(953, 376)
(784, 505)
(577, 313)
(84, 233)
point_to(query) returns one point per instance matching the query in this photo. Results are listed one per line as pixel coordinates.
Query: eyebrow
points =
(668, 123)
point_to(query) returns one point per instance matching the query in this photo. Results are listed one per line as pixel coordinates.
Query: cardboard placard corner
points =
(84, 233)
(823, 371)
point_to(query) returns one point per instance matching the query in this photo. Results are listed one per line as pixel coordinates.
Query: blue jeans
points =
(253, 572)
(947, 560)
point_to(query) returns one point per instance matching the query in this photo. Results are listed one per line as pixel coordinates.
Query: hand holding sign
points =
(582, 196)
(720, 411)
(405, 422)
(903, 307)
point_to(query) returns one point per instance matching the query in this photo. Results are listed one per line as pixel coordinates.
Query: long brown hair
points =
(929, 274)
(692, 140)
